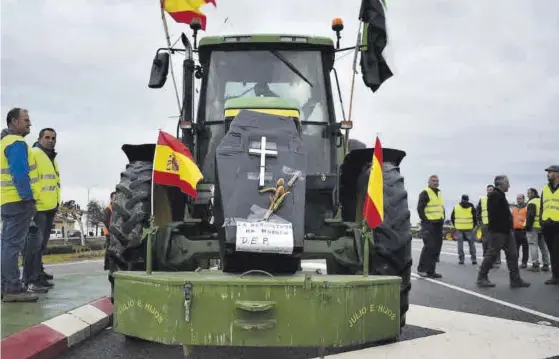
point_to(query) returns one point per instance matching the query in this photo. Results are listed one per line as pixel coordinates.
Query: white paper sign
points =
(264, 237)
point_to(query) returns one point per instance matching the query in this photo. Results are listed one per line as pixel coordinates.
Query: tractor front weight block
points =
(257, 309)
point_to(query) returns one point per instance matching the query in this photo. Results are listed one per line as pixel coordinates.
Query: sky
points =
(475, 91)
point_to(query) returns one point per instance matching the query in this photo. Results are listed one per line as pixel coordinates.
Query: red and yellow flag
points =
(174, 165)
(373, 210)
(184, 11)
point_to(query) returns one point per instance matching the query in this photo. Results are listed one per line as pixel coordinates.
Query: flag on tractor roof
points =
(374, 68)
(174, 165)
(184, 11)
(373, 209)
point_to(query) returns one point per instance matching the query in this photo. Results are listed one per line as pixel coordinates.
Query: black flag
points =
(374, 68)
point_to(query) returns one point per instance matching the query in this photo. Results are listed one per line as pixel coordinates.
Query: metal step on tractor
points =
(265, 119)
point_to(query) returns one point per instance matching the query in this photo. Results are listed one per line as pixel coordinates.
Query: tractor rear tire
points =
(131, 211)
(392, 240)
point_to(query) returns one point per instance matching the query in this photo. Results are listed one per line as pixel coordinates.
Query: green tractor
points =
(225, 270)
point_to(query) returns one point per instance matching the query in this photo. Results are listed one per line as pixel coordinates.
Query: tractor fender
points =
(353, 165)
(144, 152)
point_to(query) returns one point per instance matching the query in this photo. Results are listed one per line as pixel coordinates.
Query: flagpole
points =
(168, 38)
(152, 228)
(354, 67)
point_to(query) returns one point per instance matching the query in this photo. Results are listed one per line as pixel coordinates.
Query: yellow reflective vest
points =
(463, 219)
(484, 215)
(550, 205)
(536, 202)
(8, 192)
(49, 179)
(435, 207)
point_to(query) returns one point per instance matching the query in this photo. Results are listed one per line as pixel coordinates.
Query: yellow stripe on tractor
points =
(277, 112)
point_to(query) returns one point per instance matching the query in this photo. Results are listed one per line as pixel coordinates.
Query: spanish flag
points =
(373, 210)
(174, 165)
(184, 11)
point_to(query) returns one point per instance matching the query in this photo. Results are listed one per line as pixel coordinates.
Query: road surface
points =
(456, 292)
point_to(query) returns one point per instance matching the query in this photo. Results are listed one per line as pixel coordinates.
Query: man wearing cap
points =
(463, 218)
(549, 214)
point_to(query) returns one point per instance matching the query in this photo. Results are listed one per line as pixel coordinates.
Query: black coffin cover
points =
(238, 177)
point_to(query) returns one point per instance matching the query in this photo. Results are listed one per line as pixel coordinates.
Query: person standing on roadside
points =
(430, 209)
(534, 233)
(519, 226)
(549, 214)
(500, 236)
(463, 218)
(107, 215)
(19, 182)
(48, 201)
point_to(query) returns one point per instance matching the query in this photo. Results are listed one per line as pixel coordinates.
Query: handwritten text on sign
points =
(264, 237)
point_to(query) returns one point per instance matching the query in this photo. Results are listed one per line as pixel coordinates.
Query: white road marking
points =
(491, 299)
(463, 332)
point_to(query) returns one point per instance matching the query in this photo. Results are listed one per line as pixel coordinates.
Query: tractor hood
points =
(260, 179)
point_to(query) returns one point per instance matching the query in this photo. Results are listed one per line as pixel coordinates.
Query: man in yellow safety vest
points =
(19, 182)
(430, 208)
(534, 233)
(481, 211)
(549, 215)
(464, 220)
(48, 201)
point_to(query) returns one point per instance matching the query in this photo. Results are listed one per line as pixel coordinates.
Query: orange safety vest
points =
(105, 229)
(519, 217)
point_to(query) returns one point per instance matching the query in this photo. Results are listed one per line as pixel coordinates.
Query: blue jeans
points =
(35, 246)
(16, 219)
(467, 235)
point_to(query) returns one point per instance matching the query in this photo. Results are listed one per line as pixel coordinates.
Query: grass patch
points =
(76, 256)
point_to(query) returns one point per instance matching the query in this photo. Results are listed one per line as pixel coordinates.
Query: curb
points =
(50, 338)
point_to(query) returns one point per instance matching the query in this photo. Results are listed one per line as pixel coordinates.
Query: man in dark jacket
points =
(500, 236)
(534, 233)
(463, 218)
(430, 208)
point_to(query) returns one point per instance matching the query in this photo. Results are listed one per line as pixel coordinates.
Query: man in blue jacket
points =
(19, 181)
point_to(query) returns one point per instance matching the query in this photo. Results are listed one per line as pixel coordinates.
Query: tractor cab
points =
(274, 72)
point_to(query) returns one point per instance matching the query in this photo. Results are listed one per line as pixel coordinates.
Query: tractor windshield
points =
(290, 75)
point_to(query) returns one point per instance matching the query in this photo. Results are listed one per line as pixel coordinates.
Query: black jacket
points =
(498, 211)
(465, 205)
(422, 203)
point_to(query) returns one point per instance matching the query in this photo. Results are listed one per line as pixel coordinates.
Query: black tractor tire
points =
(392, 240)
(131, 211)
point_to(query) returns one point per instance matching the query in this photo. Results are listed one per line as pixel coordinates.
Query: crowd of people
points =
(532, 226)
(30, 199)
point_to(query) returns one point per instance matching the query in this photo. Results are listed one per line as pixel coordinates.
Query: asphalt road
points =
(90, 266)
(455, 291)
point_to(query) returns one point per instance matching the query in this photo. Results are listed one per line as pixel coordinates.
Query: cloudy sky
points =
(475, 91)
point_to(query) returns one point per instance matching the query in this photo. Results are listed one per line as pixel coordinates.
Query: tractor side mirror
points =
(159, 70)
